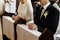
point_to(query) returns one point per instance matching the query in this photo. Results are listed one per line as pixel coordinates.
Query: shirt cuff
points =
(29, 22)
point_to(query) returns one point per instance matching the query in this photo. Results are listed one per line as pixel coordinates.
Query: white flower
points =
(45, 14)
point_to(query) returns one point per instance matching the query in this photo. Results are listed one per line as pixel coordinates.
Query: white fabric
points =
(11, 6)
(45, 6)
(1, 6)
(25, 11)
(58, 30)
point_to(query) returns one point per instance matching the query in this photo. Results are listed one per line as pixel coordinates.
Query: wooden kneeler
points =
(8, 27)
(23, 33)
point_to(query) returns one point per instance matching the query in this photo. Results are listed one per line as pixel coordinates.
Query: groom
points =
(48, 17)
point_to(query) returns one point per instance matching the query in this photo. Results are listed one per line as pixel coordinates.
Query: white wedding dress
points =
(1, 6)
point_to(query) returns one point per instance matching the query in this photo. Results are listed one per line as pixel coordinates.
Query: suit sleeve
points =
(53, 19)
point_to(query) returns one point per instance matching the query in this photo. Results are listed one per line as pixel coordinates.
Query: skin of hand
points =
(32, 26)
(0, 14)
(16, 18)
(23, 1)
(6, 1)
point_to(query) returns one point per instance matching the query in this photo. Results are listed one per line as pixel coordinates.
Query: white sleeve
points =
(29, 17)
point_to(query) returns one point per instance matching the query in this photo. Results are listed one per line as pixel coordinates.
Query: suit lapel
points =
(45, 13)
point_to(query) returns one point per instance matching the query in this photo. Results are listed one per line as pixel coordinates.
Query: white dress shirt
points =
(45, 6)
(11, 6)
(25, 11)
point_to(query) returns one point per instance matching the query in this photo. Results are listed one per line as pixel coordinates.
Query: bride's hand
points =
(16, 18)
(23, 1)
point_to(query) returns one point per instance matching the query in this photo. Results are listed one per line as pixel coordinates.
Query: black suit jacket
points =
(50, 21)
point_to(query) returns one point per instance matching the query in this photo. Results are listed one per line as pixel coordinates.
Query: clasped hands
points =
(31, 26)
(6, 1)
